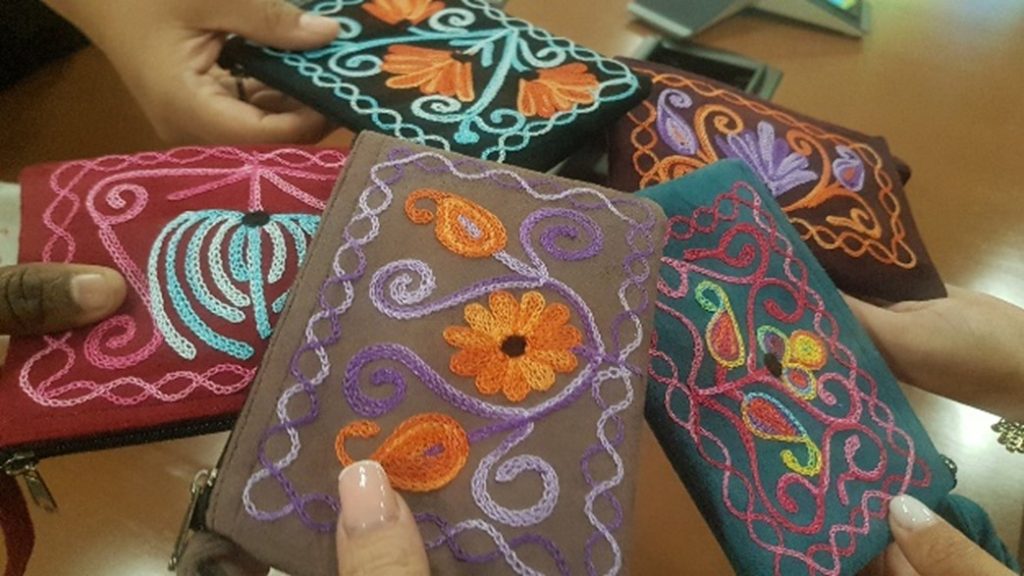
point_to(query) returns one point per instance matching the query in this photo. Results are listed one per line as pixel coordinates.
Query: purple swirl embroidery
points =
(504, 548)
(508, 472)
(582, 225)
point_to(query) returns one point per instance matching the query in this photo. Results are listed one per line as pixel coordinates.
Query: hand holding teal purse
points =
(776, 410)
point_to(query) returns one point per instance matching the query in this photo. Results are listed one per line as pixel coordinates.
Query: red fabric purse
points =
(209, 241)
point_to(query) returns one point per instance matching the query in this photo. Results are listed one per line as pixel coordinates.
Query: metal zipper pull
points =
(23, 465)
(202, 482)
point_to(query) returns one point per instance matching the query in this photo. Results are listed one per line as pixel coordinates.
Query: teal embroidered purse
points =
(768, 397)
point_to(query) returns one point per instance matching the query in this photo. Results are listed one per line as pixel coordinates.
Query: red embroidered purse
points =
(208, 240)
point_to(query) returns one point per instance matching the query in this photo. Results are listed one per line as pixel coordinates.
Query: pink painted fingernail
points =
(910, 514)
(367, 499)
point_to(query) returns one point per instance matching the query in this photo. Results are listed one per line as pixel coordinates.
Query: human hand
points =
(968, 346)
(926, 545)
(377, 534)
(43, 298)
(166, 52)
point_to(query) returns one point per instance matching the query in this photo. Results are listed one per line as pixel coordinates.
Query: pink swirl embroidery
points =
(115, 190)
(838, 397)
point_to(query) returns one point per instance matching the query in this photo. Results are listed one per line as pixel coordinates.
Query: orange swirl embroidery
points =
(462, 226)
(860, 231)
(424, 453)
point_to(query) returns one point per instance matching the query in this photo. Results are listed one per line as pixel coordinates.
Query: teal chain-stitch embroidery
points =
(241, 285)
(504, 49)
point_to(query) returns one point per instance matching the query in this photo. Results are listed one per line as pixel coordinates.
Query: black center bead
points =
(771, 361)
(255, 219)
(514, 346)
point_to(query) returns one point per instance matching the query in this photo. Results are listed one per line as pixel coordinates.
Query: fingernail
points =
(910, 514)
(317, 24)
(90, 291)
(367, 499)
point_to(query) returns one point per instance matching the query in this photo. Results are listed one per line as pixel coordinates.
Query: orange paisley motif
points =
(462, 226)
(424, 453)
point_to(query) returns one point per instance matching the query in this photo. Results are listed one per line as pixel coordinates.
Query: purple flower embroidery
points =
(849, 169)
(672, 126)
(771, 157)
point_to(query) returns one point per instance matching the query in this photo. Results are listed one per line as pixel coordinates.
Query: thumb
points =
(274, 23)
(377, 534)
(43, 298)
(932, 547)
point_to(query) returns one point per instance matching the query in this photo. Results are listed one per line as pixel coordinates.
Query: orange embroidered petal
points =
(424, 453)
(462, 226)
(394, 11)
(555, 338)
(514, 385)
(432, 71)
(482, 321)
(504, 307)
(515, 347)
(559, 360)
(556, 90)
(491, 378)
(472, 362)
(538, 375)
(554, 315)
(529, 312)
(469, 339)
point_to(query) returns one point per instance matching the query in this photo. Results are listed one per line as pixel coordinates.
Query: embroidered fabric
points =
(771, 402)
(483, 344)
(458, 75)
(841, 190)
(208, 240)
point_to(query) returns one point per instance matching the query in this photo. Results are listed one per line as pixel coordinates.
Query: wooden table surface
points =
(940, 79)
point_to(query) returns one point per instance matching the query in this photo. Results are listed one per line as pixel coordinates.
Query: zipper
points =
(195, 516)
(23, 465)
(23, 462)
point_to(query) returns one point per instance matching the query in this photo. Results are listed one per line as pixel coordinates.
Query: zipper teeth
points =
(61, 448)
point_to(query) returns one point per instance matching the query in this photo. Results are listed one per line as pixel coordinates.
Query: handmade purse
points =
(450, 327)
(841, 190)
(770, 400)
(459, 75)
(209, 241)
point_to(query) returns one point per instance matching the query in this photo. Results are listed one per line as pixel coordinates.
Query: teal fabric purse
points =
(772, 403)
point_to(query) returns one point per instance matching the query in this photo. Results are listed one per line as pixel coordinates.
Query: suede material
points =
(468, 78)
(158, 215)
(380, 176)
(840, 189)
(770, 400)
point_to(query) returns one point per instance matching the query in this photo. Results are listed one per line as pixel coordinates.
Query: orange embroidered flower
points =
(394, 11)
(556, 90)
(514, 347)
(432, 71)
